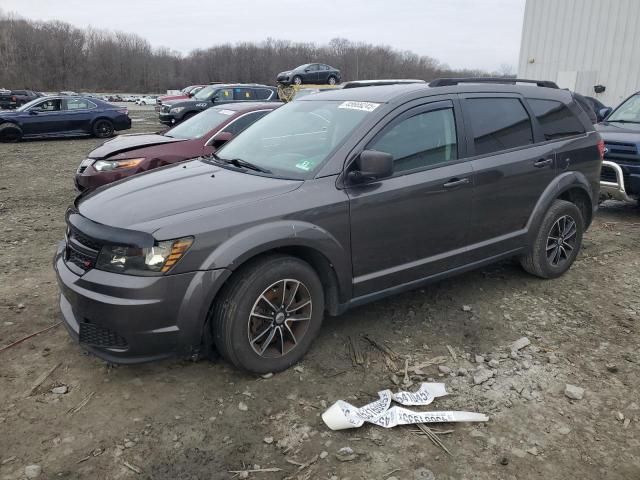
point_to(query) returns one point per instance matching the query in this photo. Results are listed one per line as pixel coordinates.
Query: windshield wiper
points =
(623, 121)
(238, 162)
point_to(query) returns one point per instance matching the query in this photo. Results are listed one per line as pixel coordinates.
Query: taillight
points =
(601, 149)
(14, 98)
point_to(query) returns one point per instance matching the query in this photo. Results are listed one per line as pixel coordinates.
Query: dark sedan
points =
(200, 135)
(311, 73)
(63, 116)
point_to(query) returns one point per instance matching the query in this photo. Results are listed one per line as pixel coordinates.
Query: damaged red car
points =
(126, 155)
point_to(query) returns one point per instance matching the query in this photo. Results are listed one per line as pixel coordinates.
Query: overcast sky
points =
(461, 33)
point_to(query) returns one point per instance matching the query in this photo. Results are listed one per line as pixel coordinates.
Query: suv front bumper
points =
(612, 182)
(167, 118)
(133, 319)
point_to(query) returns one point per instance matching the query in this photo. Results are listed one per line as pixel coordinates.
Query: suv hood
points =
(619, 132)
(123, 143)
(168, 195)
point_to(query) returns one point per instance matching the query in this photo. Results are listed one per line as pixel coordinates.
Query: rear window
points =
(498, 124)
(555, 118)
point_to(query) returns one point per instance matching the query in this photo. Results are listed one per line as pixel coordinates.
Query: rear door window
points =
(555, 118)
(498, 123)
(244, 94)
(78, 104)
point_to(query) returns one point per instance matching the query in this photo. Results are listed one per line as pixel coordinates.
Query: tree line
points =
(54, 56)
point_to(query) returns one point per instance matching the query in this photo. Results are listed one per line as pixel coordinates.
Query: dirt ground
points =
(182, 420)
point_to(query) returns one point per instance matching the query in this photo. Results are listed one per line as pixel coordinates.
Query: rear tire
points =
(103, 128)
(10, 132)
(557, 241)
(268, 314)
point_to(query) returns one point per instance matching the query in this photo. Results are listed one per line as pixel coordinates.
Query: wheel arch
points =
(571, 186)
(302, 240)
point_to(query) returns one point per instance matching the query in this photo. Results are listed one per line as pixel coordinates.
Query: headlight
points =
(154, 260)
(176, 109)
(108, 165)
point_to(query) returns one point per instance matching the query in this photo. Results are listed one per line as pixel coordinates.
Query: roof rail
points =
(445, 82)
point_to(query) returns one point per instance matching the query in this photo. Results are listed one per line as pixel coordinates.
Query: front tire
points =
(297, 80)
(103, 128)
(268, 315)
(332, 80)
(557, 242)
(10, 132)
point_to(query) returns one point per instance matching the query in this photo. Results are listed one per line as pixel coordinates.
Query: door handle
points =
(456, 182)
(543, 162)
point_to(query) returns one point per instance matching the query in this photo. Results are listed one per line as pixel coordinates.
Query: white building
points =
(583, 43)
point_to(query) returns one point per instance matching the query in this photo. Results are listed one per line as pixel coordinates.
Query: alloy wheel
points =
(279, 318)
(104, 129)
(561, 240)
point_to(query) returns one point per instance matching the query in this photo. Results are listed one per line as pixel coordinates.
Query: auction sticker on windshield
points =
(305, 165)
(364, 106)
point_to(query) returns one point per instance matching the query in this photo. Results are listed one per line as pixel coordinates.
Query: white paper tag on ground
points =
(342, 415)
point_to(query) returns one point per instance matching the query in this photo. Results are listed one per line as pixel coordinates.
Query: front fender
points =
(253, 241)
(562, 183)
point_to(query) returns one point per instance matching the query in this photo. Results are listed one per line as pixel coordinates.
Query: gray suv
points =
(329, 202)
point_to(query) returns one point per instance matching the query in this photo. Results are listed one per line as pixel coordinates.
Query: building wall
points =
(582, 43)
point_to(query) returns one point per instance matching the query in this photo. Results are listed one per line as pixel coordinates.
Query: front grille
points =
(82, 251)
(621, 151)
(97, 336)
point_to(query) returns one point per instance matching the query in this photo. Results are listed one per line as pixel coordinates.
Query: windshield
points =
(206, 93)
(294, 140)
(28, 104)
(198, 125)
(629, 111)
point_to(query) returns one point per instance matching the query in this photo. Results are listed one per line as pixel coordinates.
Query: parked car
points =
(147, 100)
(598, 107)
(67, 93)
(314, 73)
(202, 134)
(25, 96)
(173, 112)
(63, 116)
(329, 202)
(8, 100)
(620, 177)
(186, 93)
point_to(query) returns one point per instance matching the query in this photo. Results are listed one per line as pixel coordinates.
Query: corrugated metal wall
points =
(582, 43)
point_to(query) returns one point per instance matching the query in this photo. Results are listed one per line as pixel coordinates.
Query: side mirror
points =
(604, 113)
(33, 112)
(221, 138)
(372, 165)
(190, 94)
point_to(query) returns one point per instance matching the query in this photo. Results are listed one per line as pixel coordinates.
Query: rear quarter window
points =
(555, 118)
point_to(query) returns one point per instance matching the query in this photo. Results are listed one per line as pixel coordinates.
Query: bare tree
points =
(56, 56)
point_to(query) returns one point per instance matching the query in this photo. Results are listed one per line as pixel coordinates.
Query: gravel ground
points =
(182, 420)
